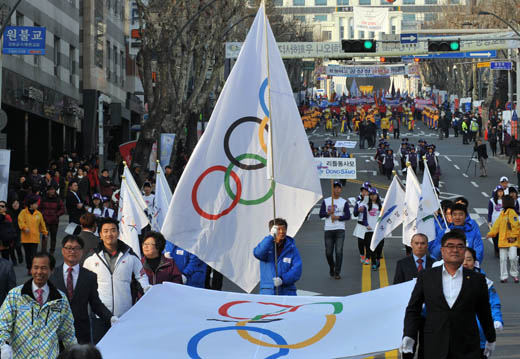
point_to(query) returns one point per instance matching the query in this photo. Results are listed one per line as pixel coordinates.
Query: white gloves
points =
(6, 352)
(184, 279)
(274, 231)
(113, 321)
(407, 345)
(168, 255)
(489, 349)
(498, 326)
(277, 281)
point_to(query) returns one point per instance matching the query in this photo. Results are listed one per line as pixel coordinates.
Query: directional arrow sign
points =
(409, 38)
(482, 54)
(456, 55)
(501, 65)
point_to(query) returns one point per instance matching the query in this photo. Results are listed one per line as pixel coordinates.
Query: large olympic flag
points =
(187, 322)
(224, 200)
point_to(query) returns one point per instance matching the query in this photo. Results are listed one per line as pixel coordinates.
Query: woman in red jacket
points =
(52, 208)
(157, 267)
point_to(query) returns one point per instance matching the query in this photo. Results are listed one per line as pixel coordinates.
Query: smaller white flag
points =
(132, 218)
(411, 204)
(163, 197)
(136, 191)
(391, 213)
(428, 204)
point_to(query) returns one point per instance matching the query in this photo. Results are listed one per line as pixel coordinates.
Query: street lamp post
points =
(517, 58)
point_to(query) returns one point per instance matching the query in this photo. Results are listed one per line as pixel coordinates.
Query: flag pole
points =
(332, 196)
(262, 4)
(437, 197)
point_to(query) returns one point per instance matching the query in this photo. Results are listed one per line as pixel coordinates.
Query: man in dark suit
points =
(454, 298)
(80, 286)
(407, 269)
(90, 240)
(74, 203)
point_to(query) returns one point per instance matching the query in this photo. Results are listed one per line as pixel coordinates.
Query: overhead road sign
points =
(501, 65)
(455, 55)
(408, 38)
(24, 40)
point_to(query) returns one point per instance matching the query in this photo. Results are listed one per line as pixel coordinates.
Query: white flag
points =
(136, 191)
(391, 213)
(163, 197)
(411, 204)
(132, 218)
(428, 204)
(222, 205)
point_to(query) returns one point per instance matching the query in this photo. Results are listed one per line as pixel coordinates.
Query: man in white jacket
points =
(114, 263)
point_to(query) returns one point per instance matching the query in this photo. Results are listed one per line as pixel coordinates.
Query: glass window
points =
(361, 34)
(298, 2)
(300, 18)
(19, 19)
(341, 32)
(278, 2)
(365, 2)
(455, 2)
(408, 2)
(431, 2)
(326, 35)
(351, 28)
(320, 18)
(320, 2)
(371, 35)
(57, 57)
(430, 17)
(342, 2)
(408, 17)
(72, 64)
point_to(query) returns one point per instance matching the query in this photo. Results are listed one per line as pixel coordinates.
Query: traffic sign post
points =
(501, 65)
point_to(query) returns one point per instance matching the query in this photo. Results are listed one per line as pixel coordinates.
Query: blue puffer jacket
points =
(289, 266)
(473, 239)
(189, 264)
(496, 308)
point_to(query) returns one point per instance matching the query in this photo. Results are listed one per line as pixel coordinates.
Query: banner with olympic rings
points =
(224, 200)
(187, 322)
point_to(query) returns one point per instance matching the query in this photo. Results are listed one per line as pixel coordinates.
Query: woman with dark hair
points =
(470, 262)
(373, 211)
(157, 267)
(14, 210)
(78, 351)
(507, 228)
(494, 209)
(7, 233)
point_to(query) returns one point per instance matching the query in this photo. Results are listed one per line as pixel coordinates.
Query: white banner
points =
(5, 162)
(373, 19)
(346, 144)
(336, 168)
(187, 322)
(367, 71)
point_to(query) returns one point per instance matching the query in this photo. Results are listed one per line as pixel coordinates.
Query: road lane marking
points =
(457, 167)
(474, 184)
(446, 157)
(383, 282)
(377, 185)
(465, 175)
(485, 194)
(366, 278)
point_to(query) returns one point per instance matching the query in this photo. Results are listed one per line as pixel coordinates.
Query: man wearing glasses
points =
(454, 298)
(80, 286)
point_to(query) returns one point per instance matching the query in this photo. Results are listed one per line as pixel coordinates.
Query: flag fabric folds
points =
(163, 197)
(224, 200)
(391, 213)
(428, 204)
(411, 204)
(132, 218)
(134, 189)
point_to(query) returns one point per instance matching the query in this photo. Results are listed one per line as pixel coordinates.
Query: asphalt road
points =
(355, 278)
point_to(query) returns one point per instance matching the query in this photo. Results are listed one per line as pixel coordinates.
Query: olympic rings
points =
(230, 193)
(261, 138)
(261, 96)
(227, 151)
(196, 187)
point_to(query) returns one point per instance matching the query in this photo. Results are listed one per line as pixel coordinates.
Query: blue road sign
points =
(408, 38)
(24, 40)
(501, 65)
(456, 55)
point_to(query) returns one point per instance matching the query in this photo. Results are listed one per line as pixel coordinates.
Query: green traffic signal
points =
(454, 45)
(368, 44)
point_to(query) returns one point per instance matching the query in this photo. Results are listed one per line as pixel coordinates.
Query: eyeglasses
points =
(72, 249)
(458, 247)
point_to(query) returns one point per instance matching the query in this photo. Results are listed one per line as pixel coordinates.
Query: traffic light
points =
(358, 45)
(389, 60)
(416, 59)
(443, 45)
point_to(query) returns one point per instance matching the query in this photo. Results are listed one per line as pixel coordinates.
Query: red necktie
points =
(39, 297)
(70, 283)
(420, 267)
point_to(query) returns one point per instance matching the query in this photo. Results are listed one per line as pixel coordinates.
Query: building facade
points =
(41, 93)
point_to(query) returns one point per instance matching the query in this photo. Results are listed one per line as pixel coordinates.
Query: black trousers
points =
(376, 254)
(53, 233)
(418, 346)
(366, 244)
(99, 329)
(30, 250)
(213, 282)
(396, 132)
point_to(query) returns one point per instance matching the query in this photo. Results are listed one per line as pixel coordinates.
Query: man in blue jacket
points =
(289, 264)
(461, 220)
(192, 268)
